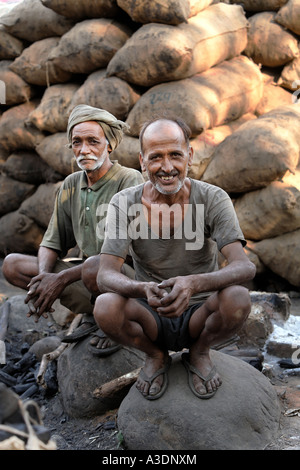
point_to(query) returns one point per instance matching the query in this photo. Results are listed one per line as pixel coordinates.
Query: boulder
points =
(77, 384)
(243, 415)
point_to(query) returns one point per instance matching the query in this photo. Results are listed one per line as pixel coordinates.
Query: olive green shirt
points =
(79, 208)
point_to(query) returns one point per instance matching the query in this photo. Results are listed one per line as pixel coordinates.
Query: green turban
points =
(113, 128)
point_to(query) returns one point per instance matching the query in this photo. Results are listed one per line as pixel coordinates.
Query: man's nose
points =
(167, 165)
(85, 148)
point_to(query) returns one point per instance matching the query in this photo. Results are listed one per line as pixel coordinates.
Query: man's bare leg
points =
(130, 324)
(218, 319)
(18, 269)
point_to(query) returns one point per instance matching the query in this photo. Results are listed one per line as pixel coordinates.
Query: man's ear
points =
(191, 156)
(142, 162)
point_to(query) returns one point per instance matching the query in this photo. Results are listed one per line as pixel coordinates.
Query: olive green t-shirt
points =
(209, 224)
(78, 209)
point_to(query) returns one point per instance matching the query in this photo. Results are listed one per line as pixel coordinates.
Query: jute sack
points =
(35, 68)
(14, 134)
(158, 53)
(89, 45)
(10, 47)
(212, 98)
(273, 97)
(51, 115)
(39, 206)
(32, 21)
(156, 11)
(83, 8)
(290, 77)
(13, 193)
(269, 43)
(17, 91)
(269, 212)
(261, 5)
(259, 152)
(205, 144)
(113, 94)
(281, 255)
(127, 152)
(54, 151)
(289, 16)
(27, 166)
(19, 234)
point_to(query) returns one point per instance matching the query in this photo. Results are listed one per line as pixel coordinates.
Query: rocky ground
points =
(102, 433)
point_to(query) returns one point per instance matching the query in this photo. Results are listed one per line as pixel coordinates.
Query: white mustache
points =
(86, 157)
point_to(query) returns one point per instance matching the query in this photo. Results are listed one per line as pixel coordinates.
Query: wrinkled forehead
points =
(163, 133)
(88, 128)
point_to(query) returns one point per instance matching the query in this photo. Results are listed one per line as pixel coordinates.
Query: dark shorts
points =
(173, 333)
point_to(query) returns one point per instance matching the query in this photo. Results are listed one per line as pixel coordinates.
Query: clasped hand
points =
(43, 290)
(171, 297)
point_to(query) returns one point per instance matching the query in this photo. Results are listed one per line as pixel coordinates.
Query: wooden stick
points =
(56, 353)
(3, 330)
(110, 388)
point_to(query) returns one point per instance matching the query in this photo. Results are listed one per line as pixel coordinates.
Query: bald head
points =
(162, 125)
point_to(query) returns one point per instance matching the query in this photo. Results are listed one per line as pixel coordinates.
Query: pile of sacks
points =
(230, 69)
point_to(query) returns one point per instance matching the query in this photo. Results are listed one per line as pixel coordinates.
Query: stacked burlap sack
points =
(227, 68)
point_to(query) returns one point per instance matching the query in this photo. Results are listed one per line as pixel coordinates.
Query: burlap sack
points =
(14, 134)
(89, 45)
(113, 94)
(281, 255)
(205, 144)
(39, 206)
(54, 151)
(13, 193)
(156, 11)
(127, 153)
(261, 5)
(27, 166)
(17, 91)
(81, 9)
(52, 113)
(273, 97)
(210, 99)
(268, 42)
(158, 53)
(269, 212)
(289, 16)
(32, 21)
(259, 152)
(290, 77)
(34, 67)
(10, 47)
(19, 234)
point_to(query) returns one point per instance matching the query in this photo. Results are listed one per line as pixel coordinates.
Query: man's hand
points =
(43, 290)
(154, 295)
(173, 304)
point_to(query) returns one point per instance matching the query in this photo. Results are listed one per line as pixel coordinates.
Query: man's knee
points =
(235, 306)
(9, 266)
(109, 307)
(89, 272)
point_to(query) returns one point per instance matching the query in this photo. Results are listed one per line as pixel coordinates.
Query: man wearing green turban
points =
(78, 215)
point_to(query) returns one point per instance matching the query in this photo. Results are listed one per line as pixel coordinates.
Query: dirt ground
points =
(102, 433)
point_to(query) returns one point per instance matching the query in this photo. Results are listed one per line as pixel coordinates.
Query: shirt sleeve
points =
(223, 222)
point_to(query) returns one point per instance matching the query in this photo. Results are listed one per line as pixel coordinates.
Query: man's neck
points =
(96, 175)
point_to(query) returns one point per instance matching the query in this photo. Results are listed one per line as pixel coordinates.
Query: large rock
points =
(79, 374)
(243, 415)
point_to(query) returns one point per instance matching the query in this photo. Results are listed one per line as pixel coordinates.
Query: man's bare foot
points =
(153, 377)
(207, 381)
